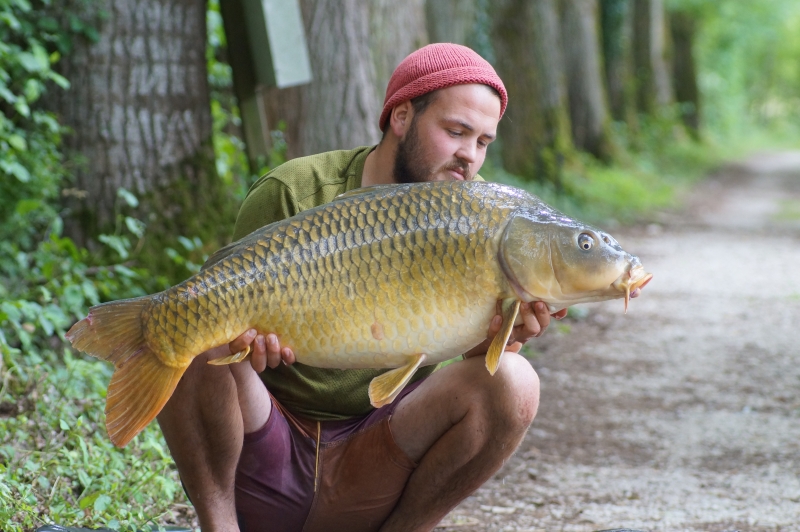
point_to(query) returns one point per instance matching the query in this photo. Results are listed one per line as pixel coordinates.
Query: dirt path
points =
(683, 414)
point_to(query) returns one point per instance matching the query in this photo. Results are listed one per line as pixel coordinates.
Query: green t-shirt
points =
(300, 184)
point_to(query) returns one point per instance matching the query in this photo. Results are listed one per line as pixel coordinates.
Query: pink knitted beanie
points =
(437, 66)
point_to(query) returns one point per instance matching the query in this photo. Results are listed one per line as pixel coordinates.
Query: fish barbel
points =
(395, 276)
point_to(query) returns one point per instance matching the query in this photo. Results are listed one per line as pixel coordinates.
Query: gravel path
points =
(683, 414)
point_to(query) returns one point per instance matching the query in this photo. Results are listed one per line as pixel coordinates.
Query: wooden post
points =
(266, 48)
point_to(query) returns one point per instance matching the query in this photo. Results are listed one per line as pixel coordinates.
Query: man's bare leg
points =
(203, 426)
(461, 425)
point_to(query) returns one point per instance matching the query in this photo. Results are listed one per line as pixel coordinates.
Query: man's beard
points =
(409, 162)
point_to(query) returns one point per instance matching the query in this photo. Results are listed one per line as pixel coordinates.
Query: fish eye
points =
(585, 241)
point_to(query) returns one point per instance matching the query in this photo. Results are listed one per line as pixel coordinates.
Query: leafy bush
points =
(56, 463)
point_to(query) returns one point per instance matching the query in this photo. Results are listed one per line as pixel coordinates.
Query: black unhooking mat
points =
(59, 528)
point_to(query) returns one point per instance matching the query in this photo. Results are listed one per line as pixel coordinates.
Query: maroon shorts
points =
(301, 475)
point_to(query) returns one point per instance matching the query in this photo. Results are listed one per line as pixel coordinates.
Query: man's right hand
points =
(265, 351)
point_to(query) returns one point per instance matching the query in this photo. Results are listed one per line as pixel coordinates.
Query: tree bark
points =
(682, 29)
(339, 109)
(396, 30)
(616, 22)
(535, 135)
(588, 111)
(650, 57)
(451, 20)
(140, 113)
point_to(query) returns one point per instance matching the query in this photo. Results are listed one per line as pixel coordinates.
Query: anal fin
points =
(241, 356)
(510, 308)
(385, 387)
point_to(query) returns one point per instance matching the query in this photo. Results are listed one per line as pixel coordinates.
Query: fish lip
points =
(635, 277)
(632, 280)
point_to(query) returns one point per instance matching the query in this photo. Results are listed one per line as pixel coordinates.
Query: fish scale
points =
(386, 277)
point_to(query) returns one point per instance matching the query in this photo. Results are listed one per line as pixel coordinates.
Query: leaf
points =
(135, 226)
(16, 169)
(88, 500)
(60, 80)
(17, 142)
(27, 205)
(186, 243)
(120, 244)
(64, 425)
(31, 62)
(128, 197)
(102, 503)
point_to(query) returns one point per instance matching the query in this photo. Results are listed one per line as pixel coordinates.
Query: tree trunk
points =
(339, 109)
(616, 24)
(140, 113)
(654, 88)
(588, 111)
(535, 131)
(466, 22)
(451, 20)
(396, 30)
(687, 95)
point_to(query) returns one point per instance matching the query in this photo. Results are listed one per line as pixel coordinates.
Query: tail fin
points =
(141, 384)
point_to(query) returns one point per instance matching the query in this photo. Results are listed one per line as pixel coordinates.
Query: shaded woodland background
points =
(122, 167)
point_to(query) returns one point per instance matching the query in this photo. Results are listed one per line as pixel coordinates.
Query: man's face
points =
(448, 140)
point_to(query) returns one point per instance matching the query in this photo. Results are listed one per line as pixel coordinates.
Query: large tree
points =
(339, 109)
(451, 20)
(140, 116)
(588, 111)
(616, 23)
(650, 56)
(687, 94)
(535, 132)
(396, 30)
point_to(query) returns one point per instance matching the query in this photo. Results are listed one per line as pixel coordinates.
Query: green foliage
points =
(643, 181)
(748, 69)
(56, 463)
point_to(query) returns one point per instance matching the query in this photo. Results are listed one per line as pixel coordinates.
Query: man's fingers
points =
(244, 339)
(258, 357)
(542, 316)
(531, 324)
(494, 326)
(560, 315)
(287, 355)
(273, 351)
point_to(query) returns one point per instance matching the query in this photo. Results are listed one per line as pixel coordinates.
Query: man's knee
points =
(514, 392)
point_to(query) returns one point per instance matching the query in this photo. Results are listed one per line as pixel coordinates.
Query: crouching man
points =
(281, 446)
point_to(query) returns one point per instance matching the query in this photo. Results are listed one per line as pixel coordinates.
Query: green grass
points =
(58, 466)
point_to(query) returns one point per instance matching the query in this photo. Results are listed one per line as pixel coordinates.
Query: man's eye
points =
(454, 133)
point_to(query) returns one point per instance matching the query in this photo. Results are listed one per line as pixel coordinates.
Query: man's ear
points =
(400, 118)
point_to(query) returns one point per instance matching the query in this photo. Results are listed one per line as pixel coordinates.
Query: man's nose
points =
(467, 152)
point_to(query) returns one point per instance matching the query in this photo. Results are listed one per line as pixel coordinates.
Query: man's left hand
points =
(535, 319)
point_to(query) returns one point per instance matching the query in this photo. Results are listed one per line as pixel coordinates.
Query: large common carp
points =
(395, 276)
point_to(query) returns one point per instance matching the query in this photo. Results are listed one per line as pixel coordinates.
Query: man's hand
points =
(265, 350)
(535, 319)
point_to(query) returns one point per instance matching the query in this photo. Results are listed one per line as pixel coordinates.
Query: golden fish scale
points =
(361, 282)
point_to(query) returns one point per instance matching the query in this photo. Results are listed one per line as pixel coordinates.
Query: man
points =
(306, 451)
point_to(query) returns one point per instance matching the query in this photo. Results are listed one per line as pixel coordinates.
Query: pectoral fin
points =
(510, 307)
(241, 356)
(385, 387)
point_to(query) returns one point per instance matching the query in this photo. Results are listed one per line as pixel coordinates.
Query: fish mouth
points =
(631, 282)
